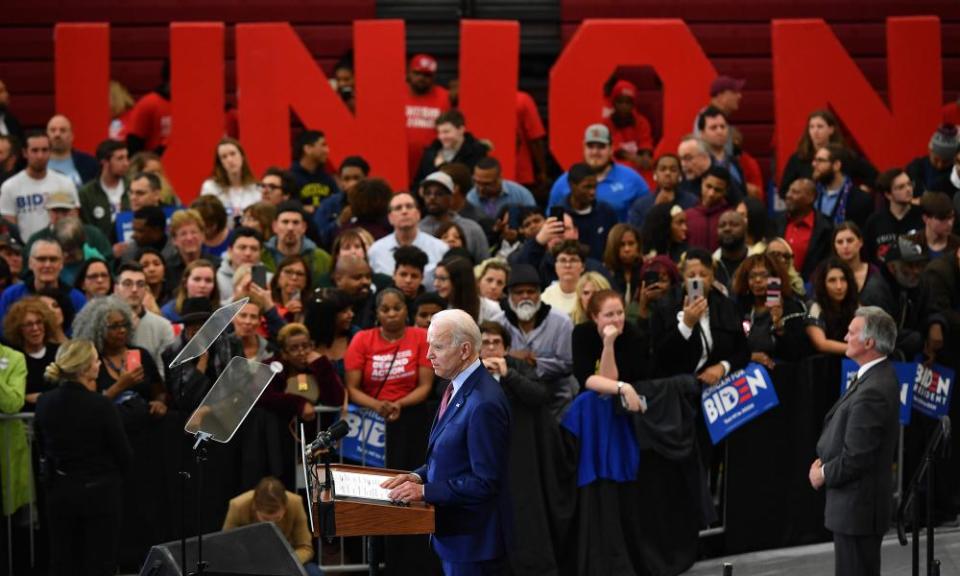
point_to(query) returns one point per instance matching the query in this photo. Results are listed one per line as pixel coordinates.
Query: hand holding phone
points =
(133, 360)
(258, 275)
(773, 292)
(694, 288)
(558, 212)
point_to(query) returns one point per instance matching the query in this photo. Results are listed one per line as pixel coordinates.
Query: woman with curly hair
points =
(835, 302)
(199, 280)
(28, 327)
(128, 374)
(232, 180)
(772, 317)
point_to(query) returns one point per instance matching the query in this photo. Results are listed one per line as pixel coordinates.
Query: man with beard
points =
(901, 216)
(806, 231)
(353, 277)
(617, 185)
(289, 239)
(78, 166)
(452, 145)
(715, 132)
(904, 266)
(837, 197)
(404, 216)
(702, 219)
(23, 197)
(102, 198)
(732, 235)
(695, 160)
(540, 336)
(436, 191)
(425, 103)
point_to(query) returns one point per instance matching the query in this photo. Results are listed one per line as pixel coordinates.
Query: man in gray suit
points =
(857, 445)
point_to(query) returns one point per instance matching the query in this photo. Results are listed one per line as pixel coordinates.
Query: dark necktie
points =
(447, 393)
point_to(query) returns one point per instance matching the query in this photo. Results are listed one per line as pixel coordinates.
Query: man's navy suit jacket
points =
(465, 476)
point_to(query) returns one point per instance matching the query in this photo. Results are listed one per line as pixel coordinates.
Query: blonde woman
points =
(87, 452)
(588, 285)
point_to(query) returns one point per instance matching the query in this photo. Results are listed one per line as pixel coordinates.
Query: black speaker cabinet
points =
(257, 549)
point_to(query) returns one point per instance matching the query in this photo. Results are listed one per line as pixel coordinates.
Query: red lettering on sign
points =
(592, 55)
(197, 95)
(489, 60)
(276, 73)
(82, 80)
(811, 70)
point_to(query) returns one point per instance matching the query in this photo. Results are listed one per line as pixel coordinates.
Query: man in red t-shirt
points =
(531, 166)
(632, 137)
(425, 102)
(149, 125)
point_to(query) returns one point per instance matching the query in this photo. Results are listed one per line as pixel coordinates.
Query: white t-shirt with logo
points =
(24, 198)
(115, 196)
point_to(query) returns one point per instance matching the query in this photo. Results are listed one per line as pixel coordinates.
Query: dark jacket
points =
(820, 240)
(942, 278)
(631, 351)
(95, 207)
(87, 166)
(858, 168)
(470, 152)
(535, 254)
(675, 355)
(856, 447)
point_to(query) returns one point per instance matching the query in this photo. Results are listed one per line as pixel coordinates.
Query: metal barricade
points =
(26, 418)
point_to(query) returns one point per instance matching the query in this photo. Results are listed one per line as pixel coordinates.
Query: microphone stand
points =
(936, 446)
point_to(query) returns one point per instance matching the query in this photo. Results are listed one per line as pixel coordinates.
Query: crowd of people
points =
(625, 268)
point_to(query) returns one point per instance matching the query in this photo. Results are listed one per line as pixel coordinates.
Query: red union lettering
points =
(276, 74)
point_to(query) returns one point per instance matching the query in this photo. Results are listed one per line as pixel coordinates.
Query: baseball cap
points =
(62, 199)
(596, 133)
(724, 83)
(907, 249)
(623, 88)
(423, 63)
(11, 242)
(440, 178)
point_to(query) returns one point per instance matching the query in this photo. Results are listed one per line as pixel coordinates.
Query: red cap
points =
(623, 88)
(423, 63)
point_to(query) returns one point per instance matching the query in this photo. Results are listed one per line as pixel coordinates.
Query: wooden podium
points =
(346, 516)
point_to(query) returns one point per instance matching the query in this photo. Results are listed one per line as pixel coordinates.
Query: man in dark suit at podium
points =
(857, 445)
(465, 476)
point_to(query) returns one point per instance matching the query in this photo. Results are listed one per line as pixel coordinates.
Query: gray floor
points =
(818, 559)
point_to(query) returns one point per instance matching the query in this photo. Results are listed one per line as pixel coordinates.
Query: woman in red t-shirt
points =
(387, 367)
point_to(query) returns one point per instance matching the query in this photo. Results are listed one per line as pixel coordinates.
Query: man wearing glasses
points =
(46, 263)
(404, 216)
(151, 332)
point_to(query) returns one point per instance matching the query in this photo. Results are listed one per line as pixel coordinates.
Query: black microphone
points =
(329, 437)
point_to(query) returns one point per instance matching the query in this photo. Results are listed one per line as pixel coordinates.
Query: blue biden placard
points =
(737, 399)
(366, 442)
(905, 376)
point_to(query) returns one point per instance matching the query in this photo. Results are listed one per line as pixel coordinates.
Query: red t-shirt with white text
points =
(396, 362)
(422, 111)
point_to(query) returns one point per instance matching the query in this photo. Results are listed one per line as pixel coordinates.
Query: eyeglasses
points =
(491, 343)
(434, 192)
(47, 259)
(568, 261)
(297, 348)
(34, 324)
(133, 284)
(294, 273)
(440, 278)
(119, 326)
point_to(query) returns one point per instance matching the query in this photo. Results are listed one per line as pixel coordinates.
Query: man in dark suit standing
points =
(857, 445)
(465, 476)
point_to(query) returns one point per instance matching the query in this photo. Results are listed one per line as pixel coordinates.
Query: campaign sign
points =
(737, 399)
(366, 442)
(906, 372)
(932, 388)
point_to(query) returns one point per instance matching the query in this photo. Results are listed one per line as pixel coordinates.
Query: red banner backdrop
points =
(82, 77)
(196, 102)
(276, 74)
(597, 49)
(811, 70)
(488, 85)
